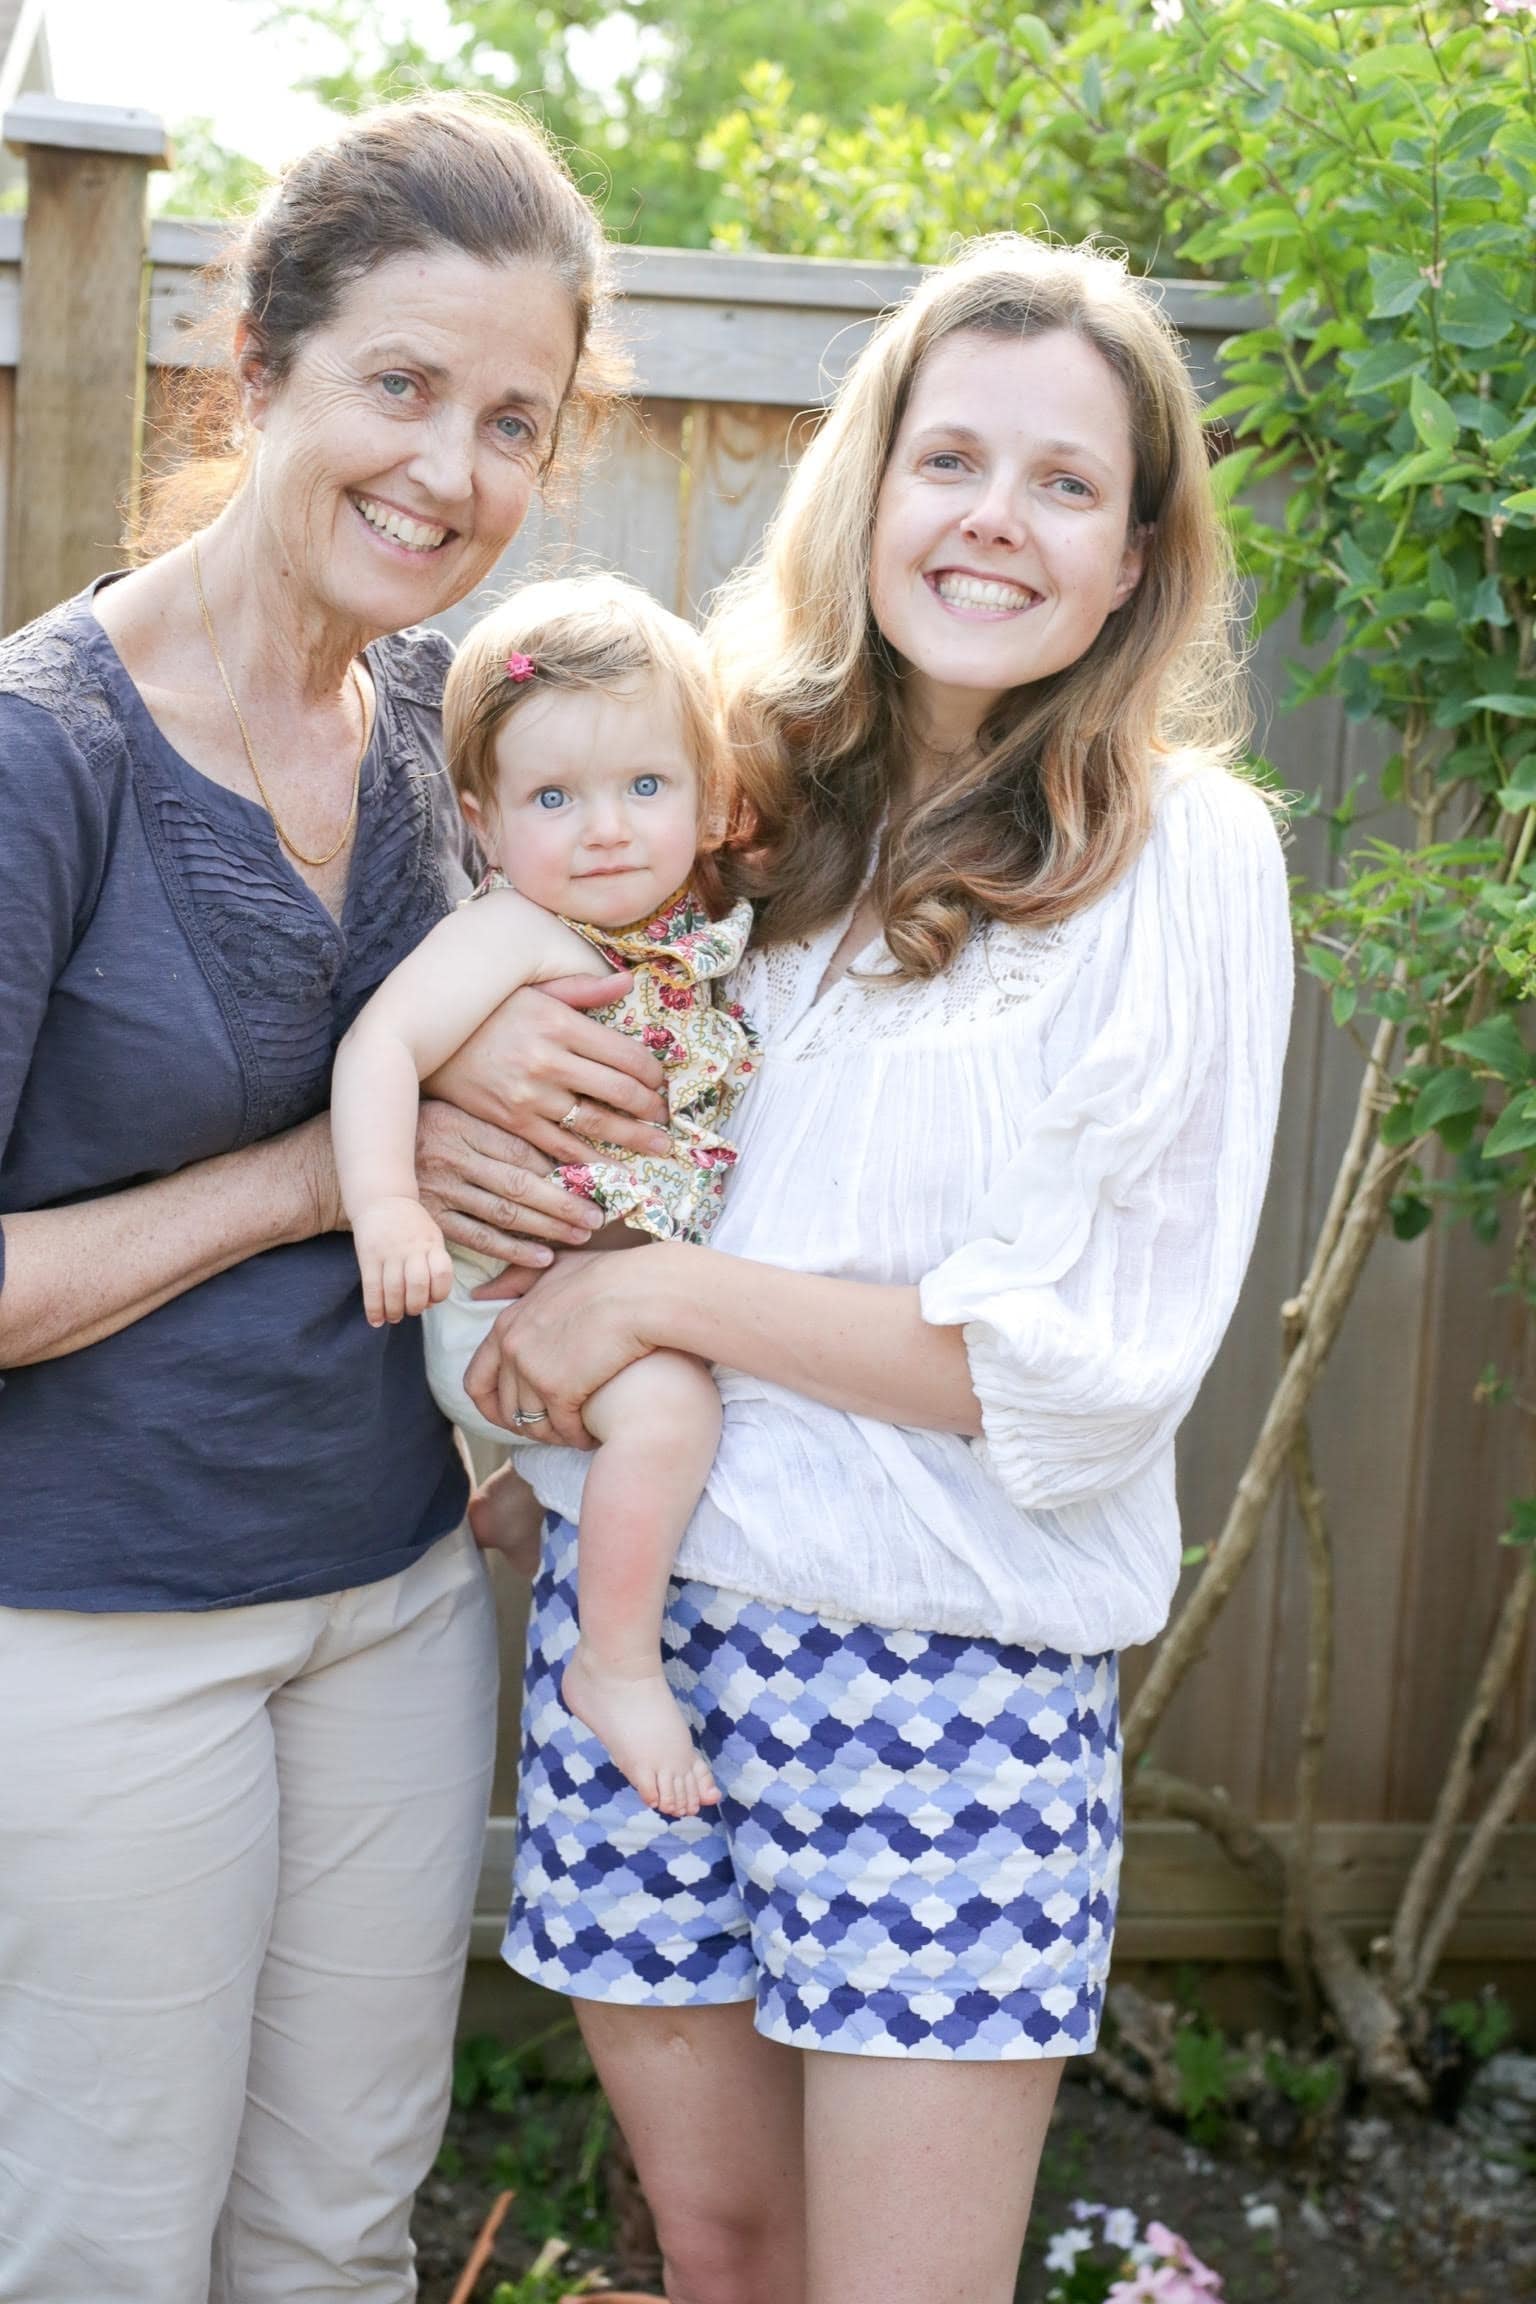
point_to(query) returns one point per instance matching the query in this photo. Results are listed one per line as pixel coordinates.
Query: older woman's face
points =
(397, 457)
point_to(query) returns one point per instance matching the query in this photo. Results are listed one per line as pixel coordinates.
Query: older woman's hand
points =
(542, 1071)
(492, 1192)
(576, 1326)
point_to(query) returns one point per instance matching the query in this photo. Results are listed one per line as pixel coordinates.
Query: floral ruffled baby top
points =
(706, 1046)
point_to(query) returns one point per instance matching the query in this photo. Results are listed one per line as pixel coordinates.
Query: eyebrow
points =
(1071, 451)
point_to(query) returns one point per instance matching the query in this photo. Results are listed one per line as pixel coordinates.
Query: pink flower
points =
(660, 1040)
(676, 996)
(1510, 8)
(519, 667)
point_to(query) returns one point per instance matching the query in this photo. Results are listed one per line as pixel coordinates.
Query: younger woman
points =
(1022, 972)
(582, 745)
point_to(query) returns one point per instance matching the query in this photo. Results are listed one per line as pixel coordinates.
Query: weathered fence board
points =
(727, 352)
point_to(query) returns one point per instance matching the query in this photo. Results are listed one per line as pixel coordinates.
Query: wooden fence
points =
(729, 354)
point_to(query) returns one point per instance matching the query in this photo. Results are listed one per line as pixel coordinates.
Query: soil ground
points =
(1385, 2214)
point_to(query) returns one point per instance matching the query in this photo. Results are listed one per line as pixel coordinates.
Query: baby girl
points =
(584, 751)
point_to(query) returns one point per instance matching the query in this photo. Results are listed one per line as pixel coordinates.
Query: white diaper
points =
(452, 1333)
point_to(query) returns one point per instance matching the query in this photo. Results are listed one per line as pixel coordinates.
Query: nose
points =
(996, 514)
(607, 824)
(442, 462)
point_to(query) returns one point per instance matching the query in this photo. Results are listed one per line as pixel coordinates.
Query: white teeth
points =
(974, 592)
(416, 535)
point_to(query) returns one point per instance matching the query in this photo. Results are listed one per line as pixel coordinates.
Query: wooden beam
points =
(80, 383)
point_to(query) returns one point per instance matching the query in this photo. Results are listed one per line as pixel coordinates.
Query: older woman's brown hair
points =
(1055, 800)
(464, 173)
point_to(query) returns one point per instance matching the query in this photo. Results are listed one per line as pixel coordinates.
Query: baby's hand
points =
(403, 1260)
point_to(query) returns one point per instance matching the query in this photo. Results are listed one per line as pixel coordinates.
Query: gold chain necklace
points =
(292, 846)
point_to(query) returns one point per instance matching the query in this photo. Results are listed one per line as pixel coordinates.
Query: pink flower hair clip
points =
(520, 668)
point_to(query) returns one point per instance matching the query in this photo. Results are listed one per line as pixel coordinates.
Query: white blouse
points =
(1064, 1142)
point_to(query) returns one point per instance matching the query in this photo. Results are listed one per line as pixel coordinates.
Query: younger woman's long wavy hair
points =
(1053, 802)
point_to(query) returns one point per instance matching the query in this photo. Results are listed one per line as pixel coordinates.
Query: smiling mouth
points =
(993, 593)
(421, 536)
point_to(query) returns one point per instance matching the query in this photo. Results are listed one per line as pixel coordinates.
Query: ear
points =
(252, 375)
(473, 815)
(1132, 562)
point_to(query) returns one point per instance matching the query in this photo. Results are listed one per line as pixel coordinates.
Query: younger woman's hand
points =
(576, 1327)
(540, 1070)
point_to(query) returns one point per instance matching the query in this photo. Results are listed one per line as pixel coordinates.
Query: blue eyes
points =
(553, 796)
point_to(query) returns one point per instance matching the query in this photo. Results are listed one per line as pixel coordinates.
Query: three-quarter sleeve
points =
(52, 841)
(1108, 1254)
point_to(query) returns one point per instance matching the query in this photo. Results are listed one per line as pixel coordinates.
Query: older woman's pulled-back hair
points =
(440, 172)
(1056, 798)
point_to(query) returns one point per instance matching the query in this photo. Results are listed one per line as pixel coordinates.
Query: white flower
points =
(1260, 2215)
(1120, 2228)
(1167, 13)
(1066, 2247)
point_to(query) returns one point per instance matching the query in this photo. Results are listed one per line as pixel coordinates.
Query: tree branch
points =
(1409, 1927)
(1299, 1913)
(1326, 1294)
(1475, 1859)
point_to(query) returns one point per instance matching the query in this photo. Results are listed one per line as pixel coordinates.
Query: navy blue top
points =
(170, 990)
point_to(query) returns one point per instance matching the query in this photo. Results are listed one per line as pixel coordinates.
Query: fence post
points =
(80, 371)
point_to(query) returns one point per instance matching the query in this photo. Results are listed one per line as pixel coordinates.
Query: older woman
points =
(247, 1666)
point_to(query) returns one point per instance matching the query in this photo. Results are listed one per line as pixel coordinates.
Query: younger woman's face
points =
(597, 802)
(1003, 536)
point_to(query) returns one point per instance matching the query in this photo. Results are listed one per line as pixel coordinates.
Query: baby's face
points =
(597, 802)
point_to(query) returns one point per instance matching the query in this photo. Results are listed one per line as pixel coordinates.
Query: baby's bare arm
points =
(422, 1012)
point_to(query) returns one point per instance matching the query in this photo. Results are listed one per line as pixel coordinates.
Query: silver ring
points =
(569, 1121)
(530, 1416)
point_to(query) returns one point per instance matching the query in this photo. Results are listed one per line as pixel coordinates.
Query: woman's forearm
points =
(853, 1344)
(74, 1275)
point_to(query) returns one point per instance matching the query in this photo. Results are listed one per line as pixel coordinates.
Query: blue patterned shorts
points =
(915, 1853)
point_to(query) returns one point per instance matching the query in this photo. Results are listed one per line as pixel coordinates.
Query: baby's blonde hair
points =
(585, 633)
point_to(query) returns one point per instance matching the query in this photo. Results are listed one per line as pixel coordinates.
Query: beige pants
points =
(238, 1852)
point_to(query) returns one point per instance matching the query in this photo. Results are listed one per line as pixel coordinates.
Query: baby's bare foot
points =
(505, 1517)
(646, 1736)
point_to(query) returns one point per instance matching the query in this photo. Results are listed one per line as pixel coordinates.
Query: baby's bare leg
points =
(657, 1424)
(505, 1516)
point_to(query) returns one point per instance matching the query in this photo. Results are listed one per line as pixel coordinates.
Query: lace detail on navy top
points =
(287, 977)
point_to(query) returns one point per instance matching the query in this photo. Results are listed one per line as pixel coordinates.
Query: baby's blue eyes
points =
(550, 797)
(646, 787)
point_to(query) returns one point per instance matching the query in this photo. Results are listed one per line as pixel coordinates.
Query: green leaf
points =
(1385, 364)
(1511, 707)
(1410, 1215)
(1229, 472)
(1400, 60)
(1497, 1046)
(1434, 419)
(1034, 35)
(1474, 310)
(1472, 131)
(1525, 501)
(1446, 1096)
(1514, 1130)
(1344, 1003)
(1396, 286)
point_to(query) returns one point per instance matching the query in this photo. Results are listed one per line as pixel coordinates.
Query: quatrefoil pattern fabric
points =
(916, 1854)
